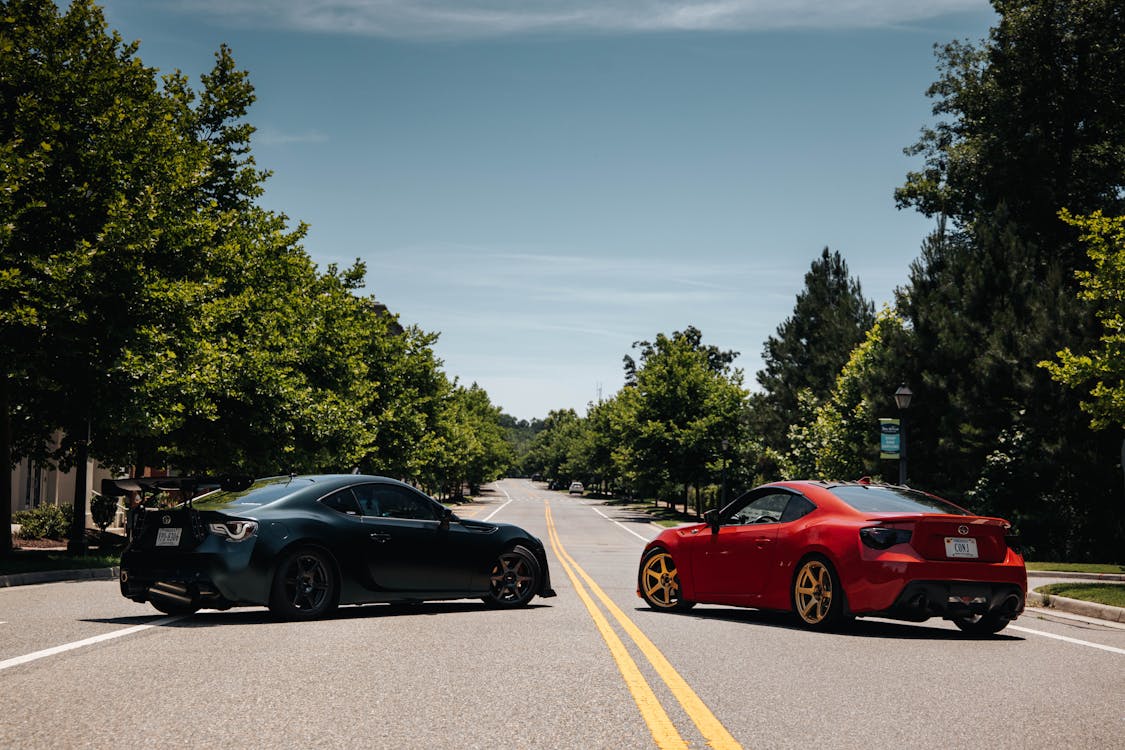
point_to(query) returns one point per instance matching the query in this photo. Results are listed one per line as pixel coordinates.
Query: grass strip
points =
(35, 561)
(1076, 567)
(1112, 594)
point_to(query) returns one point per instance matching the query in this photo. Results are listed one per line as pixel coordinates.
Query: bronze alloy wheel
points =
(514, 578)
(814, 593)
(659, 582)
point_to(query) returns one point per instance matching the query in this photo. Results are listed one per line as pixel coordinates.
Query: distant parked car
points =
(831, 551)
(301, 545)
(576, 488)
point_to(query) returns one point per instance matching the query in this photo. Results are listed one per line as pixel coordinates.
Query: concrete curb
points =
(1080, 576)
(1076, 607)
(53, 576)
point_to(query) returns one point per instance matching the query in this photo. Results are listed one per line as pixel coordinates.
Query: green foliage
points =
(44, 522)
(147, 300)
(684, 400)
(1102, 369)
(829, 318)
(659, 435)
(837, 439)
(476, 450)
(103, 509)
(1110, 594)
(1031, 120)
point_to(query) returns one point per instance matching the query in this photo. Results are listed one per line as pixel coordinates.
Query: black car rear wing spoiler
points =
(188, 487)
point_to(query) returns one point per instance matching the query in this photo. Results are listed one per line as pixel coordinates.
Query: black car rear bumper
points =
(214, 578)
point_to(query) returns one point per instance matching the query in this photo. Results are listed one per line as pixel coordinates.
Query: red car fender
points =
(808, 539)
(669, 541)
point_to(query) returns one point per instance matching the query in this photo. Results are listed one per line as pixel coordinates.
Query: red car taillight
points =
(883, 537)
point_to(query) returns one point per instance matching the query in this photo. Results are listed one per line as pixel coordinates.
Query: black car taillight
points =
(235, 531)
(882, 537)
(1014, 543)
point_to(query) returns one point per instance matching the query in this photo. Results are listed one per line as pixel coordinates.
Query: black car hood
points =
(470, 523)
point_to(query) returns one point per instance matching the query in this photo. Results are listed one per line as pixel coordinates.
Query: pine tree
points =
(829, 319)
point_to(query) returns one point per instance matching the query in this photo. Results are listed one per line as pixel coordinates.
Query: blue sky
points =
(546, 182)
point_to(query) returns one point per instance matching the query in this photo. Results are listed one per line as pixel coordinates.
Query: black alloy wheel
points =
(304, 586)
(514, 579)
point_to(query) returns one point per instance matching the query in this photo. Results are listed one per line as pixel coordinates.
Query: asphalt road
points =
(592, 668)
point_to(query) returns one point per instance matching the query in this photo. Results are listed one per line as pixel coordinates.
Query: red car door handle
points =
(380, 536)
(763, 541)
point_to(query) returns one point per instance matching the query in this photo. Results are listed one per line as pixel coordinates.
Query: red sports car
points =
(832, 551)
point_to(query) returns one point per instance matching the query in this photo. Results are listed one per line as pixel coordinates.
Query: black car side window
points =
(798, 507)
(757, 508)
(766, 508)
(368, 496)
(400, 502)
(344, 502)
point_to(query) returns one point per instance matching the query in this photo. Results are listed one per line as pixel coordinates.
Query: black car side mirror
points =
(712, 519)
(446, 517)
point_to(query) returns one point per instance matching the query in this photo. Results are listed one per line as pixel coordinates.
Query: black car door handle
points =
(380, 536)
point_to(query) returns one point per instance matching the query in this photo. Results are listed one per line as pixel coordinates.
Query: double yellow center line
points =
(664, 732)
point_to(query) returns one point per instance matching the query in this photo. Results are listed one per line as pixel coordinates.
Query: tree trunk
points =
(6, 474)
(77, 543)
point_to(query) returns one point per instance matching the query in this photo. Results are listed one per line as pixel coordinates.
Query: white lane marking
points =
(502, 507)
(18, 660)
(1111, 649)
(603, 515)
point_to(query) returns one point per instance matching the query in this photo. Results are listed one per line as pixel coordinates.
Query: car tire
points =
(514, 578)
(304, 585)
(981, 624)
(816, 594)
(659, 583)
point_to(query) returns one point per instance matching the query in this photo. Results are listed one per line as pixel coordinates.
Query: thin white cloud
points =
(484, 18)
(269, 137)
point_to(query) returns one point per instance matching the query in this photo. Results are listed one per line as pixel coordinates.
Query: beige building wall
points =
(35, 484)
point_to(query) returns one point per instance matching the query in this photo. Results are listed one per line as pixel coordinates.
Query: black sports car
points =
(301, 545)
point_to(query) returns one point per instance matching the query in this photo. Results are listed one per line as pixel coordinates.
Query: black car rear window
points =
(260, 492)
(892, 500)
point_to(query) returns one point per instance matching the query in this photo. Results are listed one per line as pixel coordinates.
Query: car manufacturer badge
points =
(963, 530)
(168, 519)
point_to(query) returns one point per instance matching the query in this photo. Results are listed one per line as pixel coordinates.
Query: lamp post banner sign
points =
(890, 438)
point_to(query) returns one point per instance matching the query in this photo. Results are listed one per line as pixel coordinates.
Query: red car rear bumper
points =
(900, 583)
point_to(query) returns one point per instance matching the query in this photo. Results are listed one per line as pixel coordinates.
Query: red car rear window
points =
(871, 499)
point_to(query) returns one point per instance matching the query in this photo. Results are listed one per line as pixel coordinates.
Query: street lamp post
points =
(902, 400)
(723, 496)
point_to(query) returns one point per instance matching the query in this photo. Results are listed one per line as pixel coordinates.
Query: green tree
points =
(550, 449)
(473, 448)
(684, 398)
(839, 437)
(829, 319)
(1031, 121)
(94, 164)
(1101, 370)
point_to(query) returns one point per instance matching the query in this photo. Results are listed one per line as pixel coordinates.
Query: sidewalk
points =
(1073, 606)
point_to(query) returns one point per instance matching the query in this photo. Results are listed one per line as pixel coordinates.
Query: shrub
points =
(103, 509)
(44, 522)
